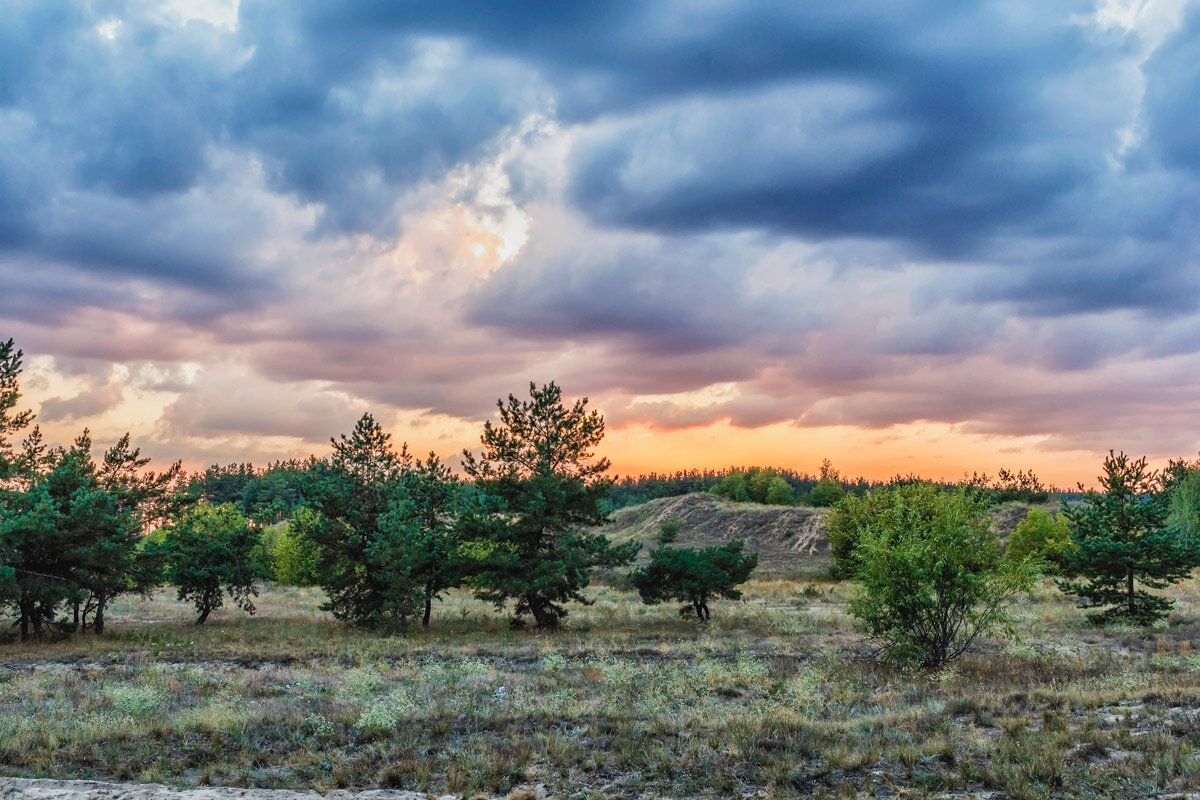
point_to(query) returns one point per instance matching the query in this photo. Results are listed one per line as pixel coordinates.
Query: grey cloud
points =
(1172, 89)
(258, 408)
(666, 297)
(89, 402)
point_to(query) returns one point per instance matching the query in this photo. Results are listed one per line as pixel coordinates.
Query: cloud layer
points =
(222, 226)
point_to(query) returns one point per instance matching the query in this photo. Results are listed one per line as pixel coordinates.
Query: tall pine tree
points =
(357, 486)
(540, 466)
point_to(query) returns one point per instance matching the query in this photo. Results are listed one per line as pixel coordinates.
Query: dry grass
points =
(768, 699)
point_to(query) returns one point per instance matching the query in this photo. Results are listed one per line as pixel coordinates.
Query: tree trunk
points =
(428, 609)
(75, 623)
(98, 616)
(26, 613)
(541, 619)
(203, 615)
(1129, 584)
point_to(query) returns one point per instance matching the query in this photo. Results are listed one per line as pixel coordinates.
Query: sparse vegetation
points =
(625, 701)
(771, 698)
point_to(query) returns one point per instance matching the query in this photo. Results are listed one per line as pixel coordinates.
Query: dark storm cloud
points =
(1172, 89)
(669, 298)
(967, 133)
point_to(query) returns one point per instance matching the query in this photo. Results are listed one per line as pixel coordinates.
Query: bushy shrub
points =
(208, 557)
(827, 492)
(780, 492)
(1043, 536)
(668, 529)
(932, 575)
(756, 485)
(733, 487)
(296, 557)
(842, 526)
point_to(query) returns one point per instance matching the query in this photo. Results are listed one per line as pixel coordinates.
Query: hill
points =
(787, 539)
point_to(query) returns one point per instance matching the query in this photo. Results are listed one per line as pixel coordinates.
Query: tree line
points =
(384, 534)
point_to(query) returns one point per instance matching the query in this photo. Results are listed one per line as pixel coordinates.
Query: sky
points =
(911, 236)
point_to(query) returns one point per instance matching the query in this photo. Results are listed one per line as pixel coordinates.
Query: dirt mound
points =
(786, 538)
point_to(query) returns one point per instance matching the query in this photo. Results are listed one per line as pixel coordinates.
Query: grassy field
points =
(770, 699)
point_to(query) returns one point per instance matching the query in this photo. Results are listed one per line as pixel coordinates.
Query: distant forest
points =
(272, 493)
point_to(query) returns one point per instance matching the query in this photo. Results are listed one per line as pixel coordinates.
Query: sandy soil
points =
(23, 789)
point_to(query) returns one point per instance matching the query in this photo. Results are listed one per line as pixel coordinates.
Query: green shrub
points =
(668, 529)
(1043, 536)
(826, 493)
(296, 557)
(780, 492)
(733, 487)
(932, 575)
(842, 526)
(208, 557)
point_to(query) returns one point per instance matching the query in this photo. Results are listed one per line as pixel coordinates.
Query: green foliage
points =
(269, 495)
(385, 529)
(1021, 486)
(826, 493)
(11, 421)
(1183, 512)
(354, 490)
(537, 468)
(420, 547)
(296, 558)
(1043, 536)
(780, 492)
(208, 556)
(733, 487)
(756, 485)
(842, 525)
(932, 576)
(70, 530)
(668, 529)
(1122, 540)
(693, 577)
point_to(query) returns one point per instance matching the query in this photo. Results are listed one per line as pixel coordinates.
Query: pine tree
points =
(355, 489)
(421, 537)
(693, 577)
(208, 558)
(538, 463)
(11, 421)
(1122, 541)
